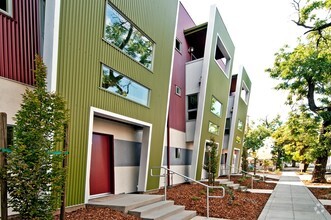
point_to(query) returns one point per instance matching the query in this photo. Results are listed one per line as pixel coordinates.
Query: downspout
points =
(168, 151)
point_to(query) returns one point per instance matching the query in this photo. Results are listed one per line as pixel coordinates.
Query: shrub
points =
(35, 177)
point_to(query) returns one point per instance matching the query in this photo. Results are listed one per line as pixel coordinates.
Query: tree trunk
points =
(320, 169)
(293, 163)
(279, 159)
(322, 159)
(255, 161)
(305, 167)
(244, 162)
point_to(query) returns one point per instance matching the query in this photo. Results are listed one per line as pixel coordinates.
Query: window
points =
(238, 140)
(6, 7)
(178, 45)
(244, 93)
(213, 128)
(192, 106)
(121, 33)
(178, 91)
(240, 125)
(216, 107)
(177, 153)
(10, 135)
(222, 57)
(227, 126)
(119, 84)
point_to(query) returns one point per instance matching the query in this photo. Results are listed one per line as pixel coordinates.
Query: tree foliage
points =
(211, 161)
(314, 15)
(35, 178)
(305, 72)
(299, 136)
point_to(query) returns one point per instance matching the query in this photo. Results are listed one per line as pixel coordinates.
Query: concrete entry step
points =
(184, 215)
(163, 212)
(147, 207)
(144, 210)
(125, 202)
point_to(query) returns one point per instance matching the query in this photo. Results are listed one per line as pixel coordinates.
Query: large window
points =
(222, 57)
(192, 106)
(216, 107)
(244, 93)
(6, 7)
(119, 84)
(122, 33)
(213, 128)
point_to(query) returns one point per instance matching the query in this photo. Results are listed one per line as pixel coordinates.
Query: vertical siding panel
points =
(19, 41)
(5, 46)
(1, 51)
(14, 49)
(81, 49)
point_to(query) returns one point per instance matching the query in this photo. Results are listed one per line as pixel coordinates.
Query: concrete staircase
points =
(231, 184)
(147, 207)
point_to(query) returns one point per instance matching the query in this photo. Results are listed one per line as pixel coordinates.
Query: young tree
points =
(211, 161)
(35, 176)
(305, 73)
(254, 140)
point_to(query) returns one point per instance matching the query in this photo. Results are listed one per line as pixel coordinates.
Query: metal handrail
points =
(241, 171)
(168, 172)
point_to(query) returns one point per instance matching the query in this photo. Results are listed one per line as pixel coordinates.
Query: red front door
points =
(102, 164)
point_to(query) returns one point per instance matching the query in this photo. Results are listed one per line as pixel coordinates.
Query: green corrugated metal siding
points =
(241, 114)
(218, 85)
(81, 52)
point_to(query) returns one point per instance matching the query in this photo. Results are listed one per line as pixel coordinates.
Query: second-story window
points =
(192, 106)
(178, 91)
(124, 35)
(178, 46)
(216, 107)
(240, 125)
(119, 84)
(213, 128)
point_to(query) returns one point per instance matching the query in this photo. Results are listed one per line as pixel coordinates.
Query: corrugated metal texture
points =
(241, 114)
(81, 53)
(19, 41)
(177, 110)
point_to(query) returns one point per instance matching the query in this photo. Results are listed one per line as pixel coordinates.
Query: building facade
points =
(235, 122)
(142, 91)
(20, 40)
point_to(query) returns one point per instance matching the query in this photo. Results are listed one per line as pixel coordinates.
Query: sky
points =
(258, 29)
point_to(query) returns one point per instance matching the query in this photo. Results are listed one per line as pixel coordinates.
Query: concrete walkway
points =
(291, 199)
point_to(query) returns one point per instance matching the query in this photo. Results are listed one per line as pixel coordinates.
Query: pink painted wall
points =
(177, 109)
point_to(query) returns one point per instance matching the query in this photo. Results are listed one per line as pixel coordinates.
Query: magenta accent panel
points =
(101, 178)
(177, 109)
(20, 41)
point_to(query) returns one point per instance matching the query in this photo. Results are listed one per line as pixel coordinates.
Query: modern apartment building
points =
(200, 88)
(142, 91)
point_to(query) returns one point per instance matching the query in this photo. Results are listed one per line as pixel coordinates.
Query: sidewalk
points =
(291, 199)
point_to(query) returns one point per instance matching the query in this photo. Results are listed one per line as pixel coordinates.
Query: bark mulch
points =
(235, 205)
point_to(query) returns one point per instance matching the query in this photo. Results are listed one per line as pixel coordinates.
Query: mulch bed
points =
(235, 205)
(322, 193)
(97, 213)
(247, 181)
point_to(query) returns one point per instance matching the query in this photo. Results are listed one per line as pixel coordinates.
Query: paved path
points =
(291, 199)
